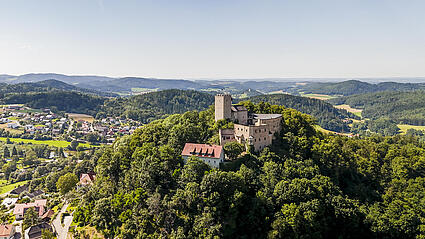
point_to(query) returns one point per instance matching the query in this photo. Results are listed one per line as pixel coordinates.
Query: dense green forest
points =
(328, 117)
(353, 87)
(67, 101)
(305, 185)
(155, 105)
(400, 107)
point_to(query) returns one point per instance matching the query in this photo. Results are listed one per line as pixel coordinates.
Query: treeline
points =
(306, 185)
(46, 86)
(66, 101)
(327, 116)
(400, 107)
(156, 105)
(148, 107)
(353, 87)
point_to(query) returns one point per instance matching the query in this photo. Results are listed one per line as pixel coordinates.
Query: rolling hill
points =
(353, 87)
(400, 107)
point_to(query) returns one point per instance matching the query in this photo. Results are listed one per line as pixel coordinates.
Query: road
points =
(62, 231)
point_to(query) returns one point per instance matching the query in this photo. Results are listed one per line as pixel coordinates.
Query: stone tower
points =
(223, 106)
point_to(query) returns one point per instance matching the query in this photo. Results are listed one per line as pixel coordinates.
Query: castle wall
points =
(258, 136)
(240, 116)
(226, 135)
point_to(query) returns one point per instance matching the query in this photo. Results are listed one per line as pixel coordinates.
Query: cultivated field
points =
(405, 127)
(357, 112)
(317, 96)
(84, 117)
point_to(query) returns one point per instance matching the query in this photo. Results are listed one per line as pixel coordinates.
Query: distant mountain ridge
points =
(354, 87)
(237, 87)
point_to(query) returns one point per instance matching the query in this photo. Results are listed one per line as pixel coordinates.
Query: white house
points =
(212, 155)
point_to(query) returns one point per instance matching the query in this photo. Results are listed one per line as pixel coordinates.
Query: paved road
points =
(62, 231)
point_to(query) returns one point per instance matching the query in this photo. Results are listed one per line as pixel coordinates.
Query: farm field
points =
(317, 96)
(317, 127)
(348, 108)
(84, 117)
(55, 143)
(9, 187)
(405, 127)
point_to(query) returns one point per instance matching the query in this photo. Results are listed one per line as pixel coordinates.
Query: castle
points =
(256, 130)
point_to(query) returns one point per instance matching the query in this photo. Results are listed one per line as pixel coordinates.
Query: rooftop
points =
(20, 208)
(202, 150)
(5, 230)
(239, 108)
(266, 116)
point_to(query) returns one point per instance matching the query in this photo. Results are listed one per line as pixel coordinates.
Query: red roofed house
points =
(39, 206)
(87, 179)
(212, 155)
(7, 231)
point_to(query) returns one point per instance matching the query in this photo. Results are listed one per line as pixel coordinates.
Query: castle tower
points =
(223, 106)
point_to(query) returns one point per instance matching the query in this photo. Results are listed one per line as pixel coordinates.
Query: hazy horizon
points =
(418, 79)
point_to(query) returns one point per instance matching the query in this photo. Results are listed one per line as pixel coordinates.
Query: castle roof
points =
(202, 150)
(239, 108)
(266, 116)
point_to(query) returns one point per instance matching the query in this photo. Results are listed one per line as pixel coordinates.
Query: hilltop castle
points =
(256, 130)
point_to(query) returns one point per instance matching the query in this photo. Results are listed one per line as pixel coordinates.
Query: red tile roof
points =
(90, 176)
(5, 230)
(20, 208)
(202, 150)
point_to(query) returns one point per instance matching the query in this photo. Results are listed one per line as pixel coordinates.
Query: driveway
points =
(62, 231)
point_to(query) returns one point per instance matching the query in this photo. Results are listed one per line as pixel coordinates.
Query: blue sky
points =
(214, 39)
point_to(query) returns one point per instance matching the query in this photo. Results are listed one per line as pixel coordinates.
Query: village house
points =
(256, 130)
(212, 155)
(35, 232)
(87, 179)
(9, 202)
(7, 231)
(38, 205)
(12, 125)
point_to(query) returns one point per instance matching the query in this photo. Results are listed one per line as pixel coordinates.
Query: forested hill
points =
(401, 107)
(46, 86)
(306, 185)
(353, 87)
(155, 105)
(67, 101)
(328, 117)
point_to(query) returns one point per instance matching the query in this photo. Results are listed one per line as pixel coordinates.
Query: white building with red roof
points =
(38, 205)
(212, 155)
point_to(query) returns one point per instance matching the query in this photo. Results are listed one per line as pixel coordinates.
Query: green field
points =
(143, 90)
(357, 112)
(55, 143)
(7, 188)
(318, 96)
(405, 127)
